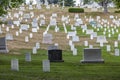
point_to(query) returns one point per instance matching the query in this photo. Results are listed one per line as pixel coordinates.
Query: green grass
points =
(70, 69)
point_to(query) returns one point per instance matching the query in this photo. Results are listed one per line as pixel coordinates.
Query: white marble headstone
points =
(115, 44)
(14, 65)
(46, 65)
(108, 48)
(101, 39)
(117, 53)
(9, 37)
(26, 39)
(37, 45)
(74, 51)
(34, 50)
(85, 43)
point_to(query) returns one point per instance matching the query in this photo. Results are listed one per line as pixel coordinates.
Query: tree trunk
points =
(105, 6)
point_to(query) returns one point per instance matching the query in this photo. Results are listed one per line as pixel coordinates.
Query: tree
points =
(4, 5)
(104, 3)
(7, 4)
(68, 2)
(16, 3)
(117, 3)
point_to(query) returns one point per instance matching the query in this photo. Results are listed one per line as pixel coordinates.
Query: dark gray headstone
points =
(55, 55)
(3, 47)
(92, 55)
(2, 41)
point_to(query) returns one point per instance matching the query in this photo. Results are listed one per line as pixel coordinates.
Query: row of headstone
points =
(89, 56)
(15, 64)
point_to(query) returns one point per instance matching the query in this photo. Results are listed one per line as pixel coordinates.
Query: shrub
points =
(76, 10)
(2, 11)
(117, 11)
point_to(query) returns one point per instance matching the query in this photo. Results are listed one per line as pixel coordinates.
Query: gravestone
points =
(46, 65)
(78, 22)
(38, 6)
(28, 57)
(16, 23)
(85, 43)
(115, 44)
(72, 33)
(30, 7)
(31, 35)
(3, 45)
(63, 4)
(76, 16)
(101, 39)
(46, 2)
(89, 31)
(37, 45)
(108, 48)
(92, 56)
(53, 22)
(34, 30)
(26, 16)
(9, 37)
(14, 65)
(42, 16)
(74, 51)
(24, 27)
(22, 8)
(70, 42)
(47, 38)
(48, 7)
(91, 37)
(90, 46)
(75, 38)
(32, 14)
(72, 47)
(26, 39)
(16, 15)
(34, 24)
(117, 52)
(34, 50)
(55, 55)
(21, 13)
(54, 15)
(7, 29)
(20, 31)
(10, 23)
(17, 33)
(42, 22)
(1, 30)
(101, 44)
(52, 47)
(119, 37)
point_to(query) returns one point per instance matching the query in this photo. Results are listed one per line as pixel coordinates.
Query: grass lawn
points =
(70, 69)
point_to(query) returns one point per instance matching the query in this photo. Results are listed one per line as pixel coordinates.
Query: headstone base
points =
(4, 51)
(100, 61)
(56, 60)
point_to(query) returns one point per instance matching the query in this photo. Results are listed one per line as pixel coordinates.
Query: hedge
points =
(117, 11)
(76, 10)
